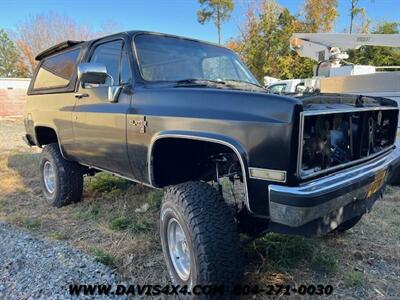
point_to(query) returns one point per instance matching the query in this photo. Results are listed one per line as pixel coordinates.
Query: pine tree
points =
(217, 10)
(10, 64)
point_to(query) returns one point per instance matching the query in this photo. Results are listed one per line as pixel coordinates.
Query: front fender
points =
(236, 147)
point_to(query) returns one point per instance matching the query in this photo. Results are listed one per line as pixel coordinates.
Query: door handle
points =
(81, 95)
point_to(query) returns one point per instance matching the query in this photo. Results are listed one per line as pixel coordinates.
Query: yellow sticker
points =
(377, 183)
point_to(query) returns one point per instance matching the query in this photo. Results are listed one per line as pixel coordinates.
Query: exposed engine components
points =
(335, 139)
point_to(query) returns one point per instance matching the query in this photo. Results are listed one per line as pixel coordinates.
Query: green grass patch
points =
(135, 226)
(325, 259)
(141, 226)
(115, 193)
(389, 190)
(120, 223)
(32, 223)
(105, 183)
(104, 257)
(284, 252)
(88, 213)
(154, 199)
(352, 278)
(22, 190)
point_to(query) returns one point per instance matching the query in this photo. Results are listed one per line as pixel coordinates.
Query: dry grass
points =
(363, 263)
(86, 225)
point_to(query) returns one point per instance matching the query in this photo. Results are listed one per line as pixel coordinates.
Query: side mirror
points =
(95, 73)
(92, 73)
(113, 93)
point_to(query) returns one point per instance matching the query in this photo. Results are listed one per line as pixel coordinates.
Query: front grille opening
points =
(336, 139)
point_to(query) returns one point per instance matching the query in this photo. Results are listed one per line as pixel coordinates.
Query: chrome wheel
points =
(179, 251)
(49, 177)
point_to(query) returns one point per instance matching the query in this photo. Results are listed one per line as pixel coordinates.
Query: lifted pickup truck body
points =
(306, 164)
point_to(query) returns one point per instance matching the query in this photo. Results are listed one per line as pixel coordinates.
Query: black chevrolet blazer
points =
(188, 117)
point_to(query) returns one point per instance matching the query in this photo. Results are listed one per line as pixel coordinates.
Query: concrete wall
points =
(13, 96)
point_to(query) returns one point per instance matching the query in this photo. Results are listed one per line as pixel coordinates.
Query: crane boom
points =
(327, 46)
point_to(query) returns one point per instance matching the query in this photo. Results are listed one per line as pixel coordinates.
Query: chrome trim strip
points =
(194, 137)
(294, 216)
(350, 163)
(300, 150)
(268, 170)
(355, 109)
(341, 177)
(330, 182)
(119, 175)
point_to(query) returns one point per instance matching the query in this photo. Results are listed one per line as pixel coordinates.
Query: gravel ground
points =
(32, 268)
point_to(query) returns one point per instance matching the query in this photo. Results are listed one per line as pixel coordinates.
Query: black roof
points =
(57, 48)
(70, 43)
(136, 32)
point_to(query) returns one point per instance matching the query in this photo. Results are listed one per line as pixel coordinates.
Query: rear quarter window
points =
(56, 71)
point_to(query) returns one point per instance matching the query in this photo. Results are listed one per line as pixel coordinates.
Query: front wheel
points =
(61, 180)
(199, 237)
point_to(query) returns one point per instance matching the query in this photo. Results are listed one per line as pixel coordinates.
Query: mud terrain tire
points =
(61, 180)
(211, 232)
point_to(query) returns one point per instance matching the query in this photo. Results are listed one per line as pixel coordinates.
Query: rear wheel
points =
(61, 180)
(199, 237)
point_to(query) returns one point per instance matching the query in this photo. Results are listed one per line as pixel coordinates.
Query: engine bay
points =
(331, 140)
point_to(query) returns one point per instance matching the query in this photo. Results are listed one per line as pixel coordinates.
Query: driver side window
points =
(109, 54)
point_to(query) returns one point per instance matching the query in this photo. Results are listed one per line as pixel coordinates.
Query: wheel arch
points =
(217, 139)
(45, 134)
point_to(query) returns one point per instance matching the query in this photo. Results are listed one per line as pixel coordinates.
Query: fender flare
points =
(234, 145)
(58, 138)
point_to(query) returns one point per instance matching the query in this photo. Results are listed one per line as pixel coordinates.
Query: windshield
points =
(164, 58)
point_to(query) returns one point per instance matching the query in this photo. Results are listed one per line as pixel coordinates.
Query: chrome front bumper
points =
(328, 196)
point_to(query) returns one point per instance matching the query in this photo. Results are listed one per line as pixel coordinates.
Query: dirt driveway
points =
(113, 224)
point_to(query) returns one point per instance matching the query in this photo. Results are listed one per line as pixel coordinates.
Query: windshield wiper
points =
(209, 82)
(244, 82)
(197, 82)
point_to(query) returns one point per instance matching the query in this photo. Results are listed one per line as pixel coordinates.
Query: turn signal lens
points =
(267, 174)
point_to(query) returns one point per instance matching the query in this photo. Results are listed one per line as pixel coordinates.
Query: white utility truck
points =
(333, 74)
